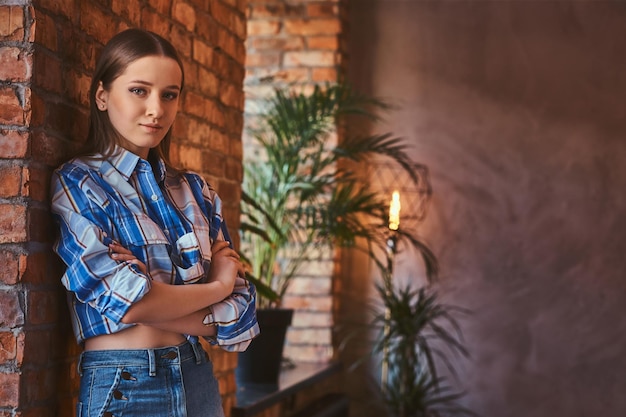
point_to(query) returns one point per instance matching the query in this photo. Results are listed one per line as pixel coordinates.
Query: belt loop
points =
(79, 365)
(152, 362)
(197, 351)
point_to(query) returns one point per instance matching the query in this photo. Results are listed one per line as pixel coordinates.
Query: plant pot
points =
(261, 362)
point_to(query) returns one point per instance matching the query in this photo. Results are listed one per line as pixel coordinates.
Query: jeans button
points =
(118, 395)
(126, 375)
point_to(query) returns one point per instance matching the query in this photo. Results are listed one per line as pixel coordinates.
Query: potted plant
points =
(305, 192)
(417, 333)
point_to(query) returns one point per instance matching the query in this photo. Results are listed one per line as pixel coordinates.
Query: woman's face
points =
(143, 101)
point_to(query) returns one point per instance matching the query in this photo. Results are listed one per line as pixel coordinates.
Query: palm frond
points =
(414, 327)
(360, 148)
(305, 192)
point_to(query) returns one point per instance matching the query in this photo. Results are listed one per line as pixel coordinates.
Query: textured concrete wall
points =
(518, 108)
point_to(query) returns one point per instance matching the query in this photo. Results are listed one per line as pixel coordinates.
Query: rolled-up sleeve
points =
(96, 280)
(235, 318)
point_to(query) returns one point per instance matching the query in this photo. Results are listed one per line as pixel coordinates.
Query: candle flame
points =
(394, 211)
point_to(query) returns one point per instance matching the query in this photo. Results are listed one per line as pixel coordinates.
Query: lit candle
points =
(394, 211)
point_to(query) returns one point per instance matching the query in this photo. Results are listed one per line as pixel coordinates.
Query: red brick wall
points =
(48, 50)
(297, 43)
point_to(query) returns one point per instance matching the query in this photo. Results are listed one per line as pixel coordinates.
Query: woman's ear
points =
(101, 97)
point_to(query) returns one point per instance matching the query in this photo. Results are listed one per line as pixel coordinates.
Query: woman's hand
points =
(225, 265)
(120, 253)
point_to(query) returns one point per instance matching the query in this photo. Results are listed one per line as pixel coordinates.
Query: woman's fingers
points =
(117, 248)
(222, 248)
(220, 245)
(120, 253)
(140, 265)
(122, 256)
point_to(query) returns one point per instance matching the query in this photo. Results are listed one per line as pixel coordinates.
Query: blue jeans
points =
(176, 381)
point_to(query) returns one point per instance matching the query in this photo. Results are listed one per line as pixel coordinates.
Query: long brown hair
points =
(121, 51)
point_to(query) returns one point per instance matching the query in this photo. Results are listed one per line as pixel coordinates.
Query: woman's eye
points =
(138, 91)
(170, 96)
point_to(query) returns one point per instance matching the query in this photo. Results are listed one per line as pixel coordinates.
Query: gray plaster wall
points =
(519, 110)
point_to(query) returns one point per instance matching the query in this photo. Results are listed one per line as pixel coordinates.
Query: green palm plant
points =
(306, 194)
(417, 332)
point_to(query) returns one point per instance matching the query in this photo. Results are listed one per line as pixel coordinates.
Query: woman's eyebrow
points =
(173, 86)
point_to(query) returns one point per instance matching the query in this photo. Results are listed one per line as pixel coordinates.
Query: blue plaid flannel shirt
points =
(167, 221)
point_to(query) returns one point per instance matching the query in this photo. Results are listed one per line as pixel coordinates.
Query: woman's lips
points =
(152, 127)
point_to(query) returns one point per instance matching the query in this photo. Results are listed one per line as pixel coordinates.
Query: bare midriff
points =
(136, 337)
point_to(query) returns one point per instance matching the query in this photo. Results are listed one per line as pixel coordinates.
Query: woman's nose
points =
(154, 106)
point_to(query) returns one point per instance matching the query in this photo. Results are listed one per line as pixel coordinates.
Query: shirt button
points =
(126, 375)
(167, 232)
(154, 197)
(153, 235)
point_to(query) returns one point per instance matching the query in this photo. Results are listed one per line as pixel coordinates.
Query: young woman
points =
(149, 263)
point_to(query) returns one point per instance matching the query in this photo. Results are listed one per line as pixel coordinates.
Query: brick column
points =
(29, 302)
(297, 44)
(48, 50)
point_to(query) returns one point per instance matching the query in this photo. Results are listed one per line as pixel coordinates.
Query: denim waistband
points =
(153, 358)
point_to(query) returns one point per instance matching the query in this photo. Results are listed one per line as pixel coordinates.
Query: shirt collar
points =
(125, 162)
(160, 170)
